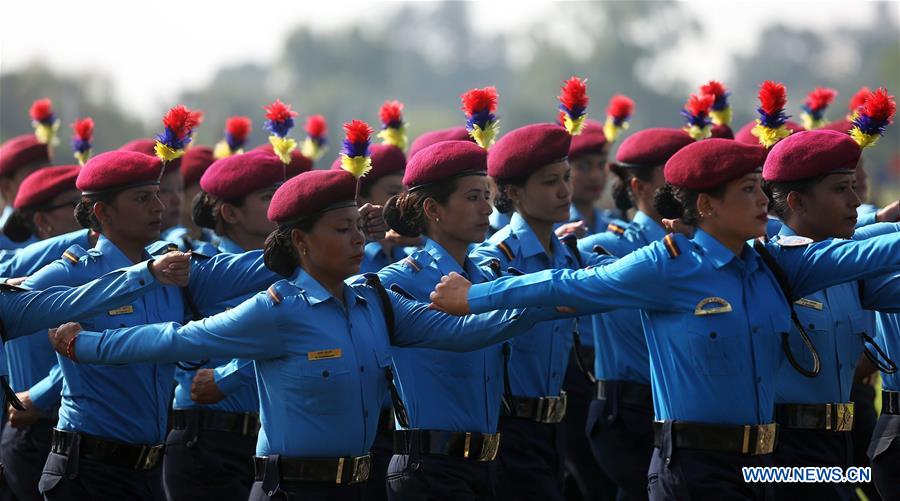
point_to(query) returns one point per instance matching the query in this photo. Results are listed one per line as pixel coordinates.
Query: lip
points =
(563, 207)
(763, 217)
(156, 224)
(358, 257)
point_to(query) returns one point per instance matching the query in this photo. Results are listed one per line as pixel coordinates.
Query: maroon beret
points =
(21, 151)
(310, 193)
(43, 185)
(194, 163)
(745, 136)
(522, 151)
(445, 160)
(118, 170)
(722, 132)
(712, 162)
(237, 176)
(809, 154)
(427, 139)
(842, 125)
(591, 140)
(650, 147)
(148, 147)
(386, 160)
(299, 161)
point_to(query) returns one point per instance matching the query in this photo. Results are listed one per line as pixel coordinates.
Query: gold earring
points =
(305, 251)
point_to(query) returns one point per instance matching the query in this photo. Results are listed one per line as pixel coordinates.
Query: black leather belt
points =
(386, 420)
(747, 439)
(476, 446)
(626, 391)
(834, 417)
(890, 402)
(342, 471)
(111, 452)
(541, 409)
(242, 423)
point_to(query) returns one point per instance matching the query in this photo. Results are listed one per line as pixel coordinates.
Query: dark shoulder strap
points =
(373, 281)
(571, 241)
(776, 270)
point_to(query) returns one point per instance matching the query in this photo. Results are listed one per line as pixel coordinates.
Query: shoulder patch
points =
(73, 254)
(671, 246)
(274, 295)
(280, 290)
(794, 241)
(412, 263)
(614, 228)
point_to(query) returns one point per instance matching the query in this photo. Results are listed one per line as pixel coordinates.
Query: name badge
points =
(124, 310)
(809, 303)
(324, 354)
(719, 305)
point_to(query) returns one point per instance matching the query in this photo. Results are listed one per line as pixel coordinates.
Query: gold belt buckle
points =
(765, 442)
(148, 457)
(828, 416)
(490, 445)
(362, 465)
(844, 417)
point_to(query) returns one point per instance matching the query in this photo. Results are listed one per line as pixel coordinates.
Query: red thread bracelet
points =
(70, 348)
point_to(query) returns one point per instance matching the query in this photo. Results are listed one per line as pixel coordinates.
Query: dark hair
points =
(778, 194)
(405, 213)
(279, 254)
(503, 203)
(621, 190)
(205, 210)
(84, 211)
(672, 202)
(19, 226)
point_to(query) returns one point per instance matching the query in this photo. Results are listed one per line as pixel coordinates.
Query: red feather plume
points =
(714, 88)
(700, 105)
(279, 112)
(574, 94)
(180, 121)
(820, 98)
(391, 112)
(357, 131)
(859, 98)
(476, 100)
(620, 107)
(880, 106)
(772, 96)
(238, 127)
(83, 129)
(316, 126)
(41, 109)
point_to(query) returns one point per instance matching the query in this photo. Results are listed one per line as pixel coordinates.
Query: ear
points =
(229, 213)
(513, 192)
(300, 241)
(636, 186)
(431, 209)
(39, 220)
(795, 201)
(102, 212)
(705, 205)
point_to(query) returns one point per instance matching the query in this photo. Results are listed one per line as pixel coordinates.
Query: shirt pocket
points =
(325, 386)
(716, 344)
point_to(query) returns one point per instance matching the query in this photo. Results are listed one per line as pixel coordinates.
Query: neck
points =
(650, 211)
(542, 230)
(806, 230)
(245, 240)
(734, 243)
(132, 249)
(586, 209)
(458, 249)
(334, 285)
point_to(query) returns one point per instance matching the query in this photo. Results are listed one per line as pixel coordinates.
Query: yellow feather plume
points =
(358, 166)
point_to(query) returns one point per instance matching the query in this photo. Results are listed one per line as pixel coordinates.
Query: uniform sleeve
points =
(817, 266)
(35, 256)
(45, 394)
(640, 280)
(417, 325)
(873, 230)
(232, 376)
(28, 312)
(251, 331)
(227, 276)
(881, 294)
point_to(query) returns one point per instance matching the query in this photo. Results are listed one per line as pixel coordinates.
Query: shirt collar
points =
(786, 231)
(316, 293)
(445, 263)
(653, 230)
(530, 246)
(228, 245)
(112, 254)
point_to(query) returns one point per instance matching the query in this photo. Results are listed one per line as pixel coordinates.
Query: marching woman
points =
(530, 168)
(322, 347)
(715, 317)
(211, 441)
(811, 176)
(450, 398)
(620, 421)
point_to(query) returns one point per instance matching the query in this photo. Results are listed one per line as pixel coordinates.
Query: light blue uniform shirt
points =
(713, 368)
(130, 403)
(320, 363)
(374, 257)
(540, 356)
(37, 255)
